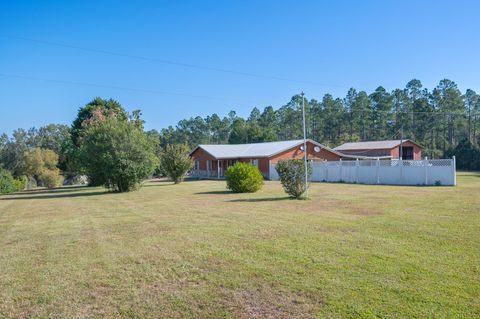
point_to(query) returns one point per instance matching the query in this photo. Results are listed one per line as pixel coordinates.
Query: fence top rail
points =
(386, 163)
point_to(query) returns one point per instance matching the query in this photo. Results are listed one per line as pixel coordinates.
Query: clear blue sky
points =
(340, 43)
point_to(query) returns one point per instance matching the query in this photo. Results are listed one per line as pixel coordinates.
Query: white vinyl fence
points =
(389, 172)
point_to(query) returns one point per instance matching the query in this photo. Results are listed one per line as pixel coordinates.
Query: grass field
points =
(195, 250)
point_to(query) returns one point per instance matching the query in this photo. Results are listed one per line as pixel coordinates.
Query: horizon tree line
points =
(444, 121)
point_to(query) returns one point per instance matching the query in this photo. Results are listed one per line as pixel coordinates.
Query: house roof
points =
(372, 145)
(252, 150)
(266, 149)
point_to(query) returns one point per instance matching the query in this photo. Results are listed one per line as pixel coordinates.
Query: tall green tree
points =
(118, 154)
(96, 111)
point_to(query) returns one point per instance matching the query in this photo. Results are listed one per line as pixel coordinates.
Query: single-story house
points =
(212, 160)
(411, 150)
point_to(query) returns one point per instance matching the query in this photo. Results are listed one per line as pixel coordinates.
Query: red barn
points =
(213, 160)
(411, 150)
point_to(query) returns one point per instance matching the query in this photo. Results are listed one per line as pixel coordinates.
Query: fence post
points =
(326, 172)
(425, 163)
(341, 171)
(401, 171)
(454, 169)
(356, 170)
(378, 168)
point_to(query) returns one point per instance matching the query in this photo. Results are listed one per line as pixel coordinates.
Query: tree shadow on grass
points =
(214, 193)
(67, 189)
(158, 184)
(254, 200)
(55, 195)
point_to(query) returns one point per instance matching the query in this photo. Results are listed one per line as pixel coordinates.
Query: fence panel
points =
(389, 172)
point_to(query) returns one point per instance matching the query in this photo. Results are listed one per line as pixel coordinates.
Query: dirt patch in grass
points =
(365, 211)
(267, 302)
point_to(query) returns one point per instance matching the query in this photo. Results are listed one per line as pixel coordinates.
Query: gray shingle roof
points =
(248, 150)
(369, 145)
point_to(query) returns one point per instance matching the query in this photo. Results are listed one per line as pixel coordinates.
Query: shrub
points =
(244, 178)
(175, 162)
(50, 178)
(292, 176)
(20, 183)
(7, 184)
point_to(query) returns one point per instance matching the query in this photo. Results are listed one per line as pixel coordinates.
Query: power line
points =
(433, 112)
(116, 87)
(170, 62)
(122, 88)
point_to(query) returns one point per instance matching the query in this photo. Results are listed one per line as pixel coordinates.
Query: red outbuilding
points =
(392, 149)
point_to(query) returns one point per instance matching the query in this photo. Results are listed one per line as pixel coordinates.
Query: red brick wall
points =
(297, 153)
(263, 164)
(202, 157)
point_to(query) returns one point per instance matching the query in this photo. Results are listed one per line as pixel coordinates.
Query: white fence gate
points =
(390, 172)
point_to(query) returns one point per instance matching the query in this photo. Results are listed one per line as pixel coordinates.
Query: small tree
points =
(175, 162)
(117, 154)
(244, 178)
(292, 176)
(41, 164)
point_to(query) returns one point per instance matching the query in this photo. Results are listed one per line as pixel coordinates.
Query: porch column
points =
(218, 169)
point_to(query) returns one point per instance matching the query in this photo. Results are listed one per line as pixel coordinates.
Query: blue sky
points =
(321, 46)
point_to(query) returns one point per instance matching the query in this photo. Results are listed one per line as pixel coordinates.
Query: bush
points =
(244, 178)
(292, 176)
(50, 178)
(7, 183)
(175, 162)
(21, 183)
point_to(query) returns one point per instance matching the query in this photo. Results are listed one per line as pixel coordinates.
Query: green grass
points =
(195, 250)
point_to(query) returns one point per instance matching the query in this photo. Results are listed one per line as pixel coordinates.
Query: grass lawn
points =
(195, 250)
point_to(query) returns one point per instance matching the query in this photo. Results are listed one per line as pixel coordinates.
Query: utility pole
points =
(401, 143)
(305, 144)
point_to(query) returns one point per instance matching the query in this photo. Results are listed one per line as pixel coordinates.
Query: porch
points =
(214, 169)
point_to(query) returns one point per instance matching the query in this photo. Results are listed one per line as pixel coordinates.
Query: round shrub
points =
(244, 178)
(7, 183)
(21, 183)
(292, 176)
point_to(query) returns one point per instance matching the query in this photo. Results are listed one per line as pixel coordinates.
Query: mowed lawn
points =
(195, 250)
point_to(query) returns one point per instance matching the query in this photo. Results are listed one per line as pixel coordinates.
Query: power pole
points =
(401, 143)
(305, 144)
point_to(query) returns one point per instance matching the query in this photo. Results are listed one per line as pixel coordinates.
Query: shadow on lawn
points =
(158, 185)
(67, 189)
(253, 200)
(53, 195)
(215, 193)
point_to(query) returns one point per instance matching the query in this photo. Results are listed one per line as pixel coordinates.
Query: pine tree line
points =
(438, 120)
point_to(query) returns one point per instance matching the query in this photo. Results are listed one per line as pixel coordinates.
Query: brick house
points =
(411, 150)
(211, 161)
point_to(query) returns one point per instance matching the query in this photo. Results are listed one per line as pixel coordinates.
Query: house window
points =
(254, 162)
(407, 153)
(197, 165)
(209, 166)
